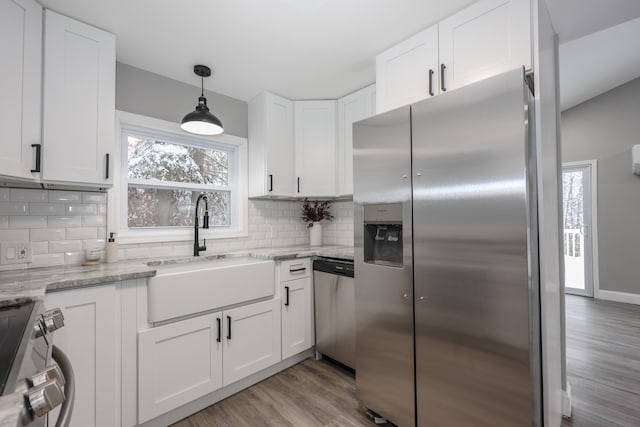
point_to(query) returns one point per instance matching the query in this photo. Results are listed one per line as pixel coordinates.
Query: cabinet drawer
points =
(295, 269)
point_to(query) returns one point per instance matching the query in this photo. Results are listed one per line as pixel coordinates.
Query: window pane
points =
(151, 159)
(156, 207)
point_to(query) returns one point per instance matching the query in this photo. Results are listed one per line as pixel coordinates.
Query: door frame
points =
(595, 265)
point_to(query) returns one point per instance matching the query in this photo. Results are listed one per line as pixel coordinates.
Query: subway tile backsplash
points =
(61, 224)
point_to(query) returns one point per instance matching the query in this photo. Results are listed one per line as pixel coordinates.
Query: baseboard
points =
(566, 402)
(619, 297)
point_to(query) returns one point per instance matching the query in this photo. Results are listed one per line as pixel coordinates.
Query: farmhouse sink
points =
(192, 287)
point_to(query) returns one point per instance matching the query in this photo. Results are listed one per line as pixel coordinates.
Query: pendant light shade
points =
(201, 121)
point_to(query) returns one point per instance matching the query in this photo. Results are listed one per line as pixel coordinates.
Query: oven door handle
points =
(69, 387)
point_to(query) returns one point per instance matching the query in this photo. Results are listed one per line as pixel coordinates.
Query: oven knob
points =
(45, 397)
(53, 319)
(38, 329)
(52, 372)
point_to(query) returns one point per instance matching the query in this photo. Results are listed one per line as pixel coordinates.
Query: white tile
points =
(13, 208)
(182, 250)
(4, 221)
(4, 194)
(65, 196)
(102, 209)
(26, 195)
(64, 221)
(43, 234)
(65, 246)
(94, 243)
(46, 209)
(9, 267)
(39, 248)
(160, 251)
(81, 209)
(47, 260)
(94, 220)
(14, 235)
(102, 232)
(73, 258)
(135, 253)
(94, 197)
(28, 222)
(82, 233)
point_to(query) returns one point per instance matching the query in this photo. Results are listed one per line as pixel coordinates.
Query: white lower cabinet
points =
(89, 339)
(182, 361)
(178, 363)
(297, 315)
(251, 339)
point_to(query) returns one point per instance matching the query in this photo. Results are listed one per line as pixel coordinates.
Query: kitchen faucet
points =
(196, 243)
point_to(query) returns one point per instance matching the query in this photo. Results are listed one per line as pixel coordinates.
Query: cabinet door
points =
(406, 72)
(79, 102)
(485, 39)
(315, 148)
(88, 338)
(178, 363)
(352, 108)
(297, 316)
(271, 170)
(20, 68)
(251, 339)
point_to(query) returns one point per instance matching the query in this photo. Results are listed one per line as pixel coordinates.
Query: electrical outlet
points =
(15, 252)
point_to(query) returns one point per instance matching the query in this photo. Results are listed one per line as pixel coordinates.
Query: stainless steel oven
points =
(31, 383)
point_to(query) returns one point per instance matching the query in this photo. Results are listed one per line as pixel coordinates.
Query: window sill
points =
(159, 236)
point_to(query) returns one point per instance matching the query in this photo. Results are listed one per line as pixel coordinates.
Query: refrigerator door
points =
(384, 282)
(477, 360)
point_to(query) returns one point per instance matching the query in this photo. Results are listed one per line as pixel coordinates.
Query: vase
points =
(315, 234)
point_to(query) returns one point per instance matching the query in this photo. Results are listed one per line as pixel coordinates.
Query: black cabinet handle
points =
(38, 148)
(219, 322)
(295, 270)
(228, 327)
(298, 184)
(442, 85)
(431, 82)
(286, 301)
(106, 176)
(270, 182)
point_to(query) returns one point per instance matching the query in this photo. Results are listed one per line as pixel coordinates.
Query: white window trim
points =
(117, 206)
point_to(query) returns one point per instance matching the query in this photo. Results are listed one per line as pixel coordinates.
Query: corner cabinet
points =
(271, 151)
(487, 38)
(20, 86)
(296, 290)
(351, 108)
(79, 103)
(315, 148)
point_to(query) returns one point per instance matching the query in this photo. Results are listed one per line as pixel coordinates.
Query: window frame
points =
(118, 200)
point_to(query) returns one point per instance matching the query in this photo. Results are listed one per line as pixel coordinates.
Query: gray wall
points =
(605, 128)
(149, 94)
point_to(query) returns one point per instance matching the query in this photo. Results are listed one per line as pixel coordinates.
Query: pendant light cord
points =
(201, 85)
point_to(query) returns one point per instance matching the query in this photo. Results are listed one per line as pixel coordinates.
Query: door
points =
(471, 216)
(251, 339)
(79, 102)
(20, 86)
(408, 72)
(178, 363)
(485, 39)
(297, 316)
(577, 224)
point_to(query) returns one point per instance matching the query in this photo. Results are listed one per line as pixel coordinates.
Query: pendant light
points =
(201, 121)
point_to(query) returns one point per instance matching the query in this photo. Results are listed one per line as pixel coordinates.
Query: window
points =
(163, 173)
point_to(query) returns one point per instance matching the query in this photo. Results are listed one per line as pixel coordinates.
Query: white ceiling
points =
(300, 49)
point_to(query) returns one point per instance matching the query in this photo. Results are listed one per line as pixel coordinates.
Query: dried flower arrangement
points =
(315, 211)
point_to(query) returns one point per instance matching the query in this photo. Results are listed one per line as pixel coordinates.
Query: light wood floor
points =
(603, 351)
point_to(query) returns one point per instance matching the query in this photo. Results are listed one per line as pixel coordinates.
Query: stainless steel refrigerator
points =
(446, 259)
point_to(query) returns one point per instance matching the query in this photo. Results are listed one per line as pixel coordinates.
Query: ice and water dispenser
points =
(383, 234)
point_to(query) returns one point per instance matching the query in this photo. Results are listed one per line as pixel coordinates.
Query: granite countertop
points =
(32, 284)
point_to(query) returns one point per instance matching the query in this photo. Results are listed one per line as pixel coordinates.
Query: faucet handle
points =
(204, 245)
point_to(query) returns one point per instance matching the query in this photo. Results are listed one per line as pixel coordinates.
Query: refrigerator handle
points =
(442, 85)
(430, 82)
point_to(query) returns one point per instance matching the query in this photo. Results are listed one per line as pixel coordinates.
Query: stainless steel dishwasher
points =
(334, 294)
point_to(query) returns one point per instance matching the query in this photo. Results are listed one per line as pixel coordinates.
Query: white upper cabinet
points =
(487, 38)
(351, 108)
(315, 148)
(20, 69)
(79, 102)
(271, 170)
(408, 72)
